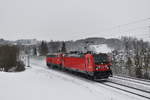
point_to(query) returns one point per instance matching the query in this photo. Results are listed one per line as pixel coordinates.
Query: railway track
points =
(146, 91)
(146, 83)
(134, 78)
(131, 85)
(134, 86)
(127, 89)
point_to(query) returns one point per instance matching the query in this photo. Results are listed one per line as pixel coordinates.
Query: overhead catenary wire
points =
(141, 26)
(130, 23)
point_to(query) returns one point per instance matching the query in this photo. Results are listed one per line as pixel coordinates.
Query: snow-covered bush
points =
(20, 66)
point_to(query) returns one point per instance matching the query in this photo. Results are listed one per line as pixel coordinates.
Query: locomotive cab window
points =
(101, 59)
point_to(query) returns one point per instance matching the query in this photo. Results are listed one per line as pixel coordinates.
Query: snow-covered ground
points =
(40, 83)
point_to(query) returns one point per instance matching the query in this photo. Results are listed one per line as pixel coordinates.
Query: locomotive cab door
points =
(89, 66)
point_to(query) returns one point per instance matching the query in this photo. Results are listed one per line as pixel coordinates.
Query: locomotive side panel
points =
(56, 60)
(74, 63)
(52, 60)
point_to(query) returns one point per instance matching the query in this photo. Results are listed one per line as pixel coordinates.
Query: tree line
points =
(133, 59)
(51, 47)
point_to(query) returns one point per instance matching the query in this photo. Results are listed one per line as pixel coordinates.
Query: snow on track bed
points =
(146, 83)
(128, 89)
(106, 89)
(133, 78)
(131, 84)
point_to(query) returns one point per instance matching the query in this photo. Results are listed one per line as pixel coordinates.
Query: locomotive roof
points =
(53, 53)
(74, 54)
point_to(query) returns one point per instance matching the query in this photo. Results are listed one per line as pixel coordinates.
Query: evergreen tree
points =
(63, 49)
(54, 46)
(128, 65)
(146, 63)
(43, 49)
(35, 51)
(114, 62)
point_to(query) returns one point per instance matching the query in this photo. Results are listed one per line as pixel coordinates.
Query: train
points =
(95, 66)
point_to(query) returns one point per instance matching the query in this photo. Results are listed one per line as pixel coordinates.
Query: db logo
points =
(90, 66)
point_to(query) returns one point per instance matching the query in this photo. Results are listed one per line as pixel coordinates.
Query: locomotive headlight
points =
(102, 67)
(98, 67)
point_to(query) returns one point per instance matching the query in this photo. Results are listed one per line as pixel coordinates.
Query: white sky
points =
(67, 19)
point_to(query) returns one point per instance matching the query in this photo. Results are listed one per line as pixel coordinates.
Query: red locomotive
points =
(96, 66)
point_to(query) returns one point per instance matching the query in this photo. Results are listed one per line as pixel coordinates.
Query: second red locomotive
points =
(96, 66)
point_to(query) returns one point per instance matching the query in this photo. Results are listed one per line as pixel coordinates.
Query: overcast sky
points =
(67, 19)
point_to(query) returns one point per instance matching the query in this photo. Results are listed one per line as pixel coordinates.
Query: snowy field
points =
(40, 83)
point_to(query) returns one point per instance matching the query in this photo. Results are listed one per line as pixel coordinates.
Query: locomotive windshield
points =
(101, 59)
